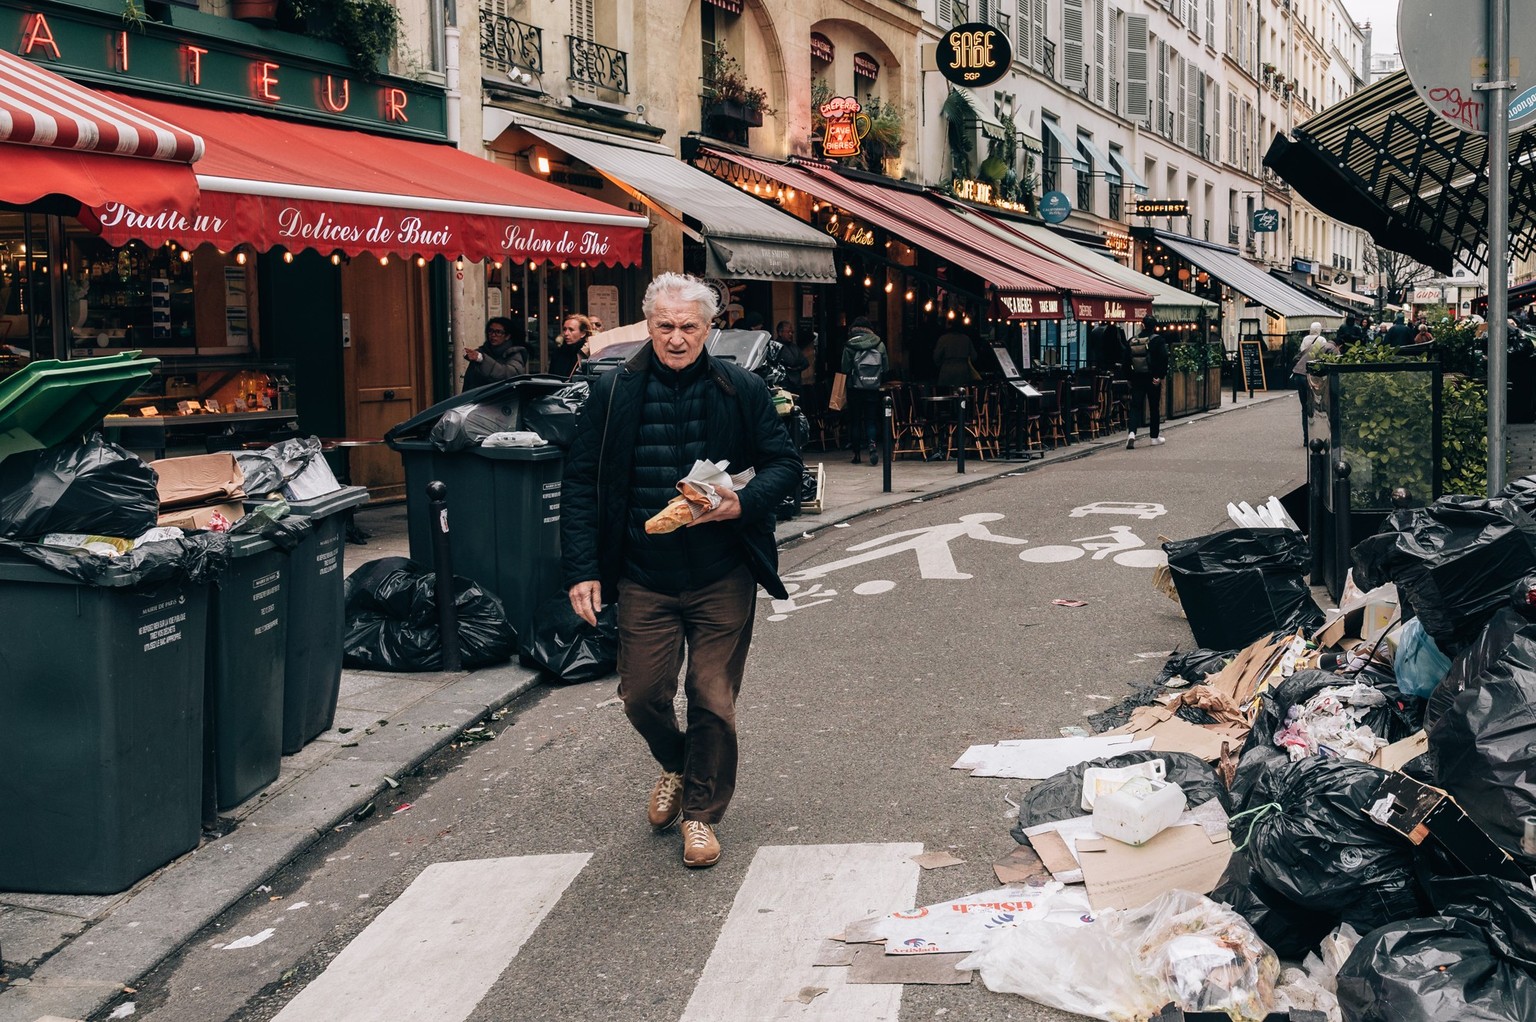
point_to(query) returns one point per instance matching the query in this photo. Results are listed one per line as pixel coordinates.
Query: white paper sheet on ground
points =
(1039, 758)
(963, 924)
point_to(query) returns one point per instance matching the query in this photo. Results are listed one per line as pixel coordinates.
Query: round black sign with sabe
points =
(974, 55)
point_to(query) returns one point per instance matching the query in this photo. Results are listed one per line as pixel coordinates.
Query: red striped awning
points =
(865, 66)
(822, 48)
(40, 108)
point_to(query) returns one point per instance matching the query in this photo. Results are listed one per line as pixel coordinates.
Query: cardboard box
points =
(198, 480)
(1180, 858)
(1418, 811)
(193, 518)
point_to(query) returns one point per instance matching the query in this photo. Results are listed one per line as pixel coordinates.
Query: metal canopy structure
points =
(1383, 161)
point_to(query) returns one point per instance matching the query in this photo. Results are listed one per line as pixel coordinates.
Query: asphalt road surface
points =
(517, 879)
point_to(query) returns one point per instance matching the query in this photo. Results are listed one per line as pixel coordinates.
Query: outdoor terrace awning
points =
(1350, 297)
(269, 183)
(1028, 285)
(1249, 280)
(744, 238)
(1383, 161)
(58, 138)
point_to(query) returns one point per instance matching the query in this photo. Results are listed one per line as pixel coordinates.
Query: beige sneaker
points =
(666, 803)
(700, 846)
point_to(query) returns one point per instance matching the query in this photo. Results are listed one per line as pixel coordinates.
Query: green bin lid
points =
(51, 402)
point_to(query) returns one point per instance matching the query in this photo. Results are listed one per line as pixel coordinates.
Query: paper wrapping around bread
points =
(699, 492)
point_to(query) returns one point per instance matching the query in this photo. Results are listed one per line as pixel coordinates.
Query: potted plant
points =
(366, 29)
(728, 93)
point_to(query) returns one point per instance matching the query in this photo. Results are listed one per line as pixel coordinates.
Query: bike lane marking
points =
(793, 898)
(459, 924)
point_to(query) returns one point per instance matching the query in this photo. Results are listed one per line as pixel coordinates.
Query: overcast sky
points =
(1382, 14)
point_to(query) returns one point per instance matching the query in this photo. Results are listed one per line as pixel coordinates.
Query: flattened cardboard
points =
(191, 518)
(1056, 856)
(1020, 866)
(1394, 756)
(1239, 680)
(1180, 858)
(937, 860)
(871, 965)
(1418, 811)
(1170, 733)
(199, 479)
(834, 953)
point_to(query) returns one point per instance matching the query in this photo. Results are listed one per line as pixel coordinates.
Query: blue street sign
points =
(1054, 207)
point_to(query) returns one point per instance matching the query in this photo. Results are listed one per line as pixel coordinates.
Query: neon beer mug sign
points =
(846, 124)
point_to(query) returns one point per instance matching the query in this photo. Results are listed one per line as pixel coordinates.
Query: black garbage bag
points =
(467, 425)
(807, 486)
(1474, 661)
(1523, 492)
(567, 648)
(1308, 838)
(1454, 563)
(1061, 797)
(1473, 961)
(95, 487)
(554, 416)
(197, 557)
(266, 471)
(1291, 931)
(1239, 585)
(391, 610)
(1484, 743)
(1194, 665)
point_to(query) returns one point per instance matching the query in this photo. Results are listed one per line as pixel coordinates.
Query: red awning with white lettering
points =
(58, 138)
(269, 183)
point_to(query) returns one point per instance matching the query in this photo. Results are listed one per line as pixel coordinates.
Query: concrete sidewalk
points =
(67, 956)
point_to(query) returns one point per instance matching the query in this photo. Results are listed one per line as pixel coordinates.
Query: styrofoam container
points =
(1099, 781)
(1138, 810)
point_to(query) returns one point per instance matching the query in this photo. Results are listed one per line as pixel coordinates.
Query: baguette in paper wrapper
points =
(700, 492)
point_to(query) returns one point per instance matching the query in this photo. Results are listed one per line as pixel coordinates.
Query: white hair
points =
(681, 287)
(1317, 328)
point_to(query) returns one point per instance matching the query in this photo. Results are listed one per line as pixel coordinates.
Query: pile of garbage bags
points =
(392, 620)
(1372, 772)
(526, 411)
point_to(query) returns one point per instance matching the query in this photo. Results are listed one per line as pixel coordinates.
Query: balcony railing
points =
(1232, 233)
(506, 43)
(1049, 60)
(599, 66)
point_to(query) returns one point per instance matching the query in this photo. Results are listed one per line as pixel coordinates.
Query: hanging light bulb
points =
(240, 258)
(789, 194)
(847, 269)
(909, 295)
(335, 258)
(287, 257)
(868, 282)
(458, 264)
(497, 264)
(889, 287)
(383, 260)
(950, 314)
(421, 260)
(967, 319)
(928, 305)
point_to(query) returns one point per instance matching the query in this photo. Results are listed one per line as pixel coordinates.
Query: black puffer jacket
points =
(741, 428)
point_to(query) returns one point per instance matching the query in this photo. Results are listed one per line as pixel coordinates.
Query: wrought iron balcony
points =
(1048, 61)
(1232, 234)
(506, 43)
(599, 66)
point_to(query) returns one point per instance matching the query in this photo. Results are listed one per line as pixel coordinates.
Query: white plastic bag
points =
(1179, 947)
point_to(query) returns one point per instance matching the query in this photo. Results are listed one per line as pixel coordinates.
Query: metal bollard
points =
(1341, 539)
(1317, 508)
(960, 433)
(885, 442)
(442, 564)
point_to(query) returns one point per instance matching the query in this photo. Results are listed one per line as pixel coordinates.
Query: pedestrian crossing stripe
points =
(463, 923)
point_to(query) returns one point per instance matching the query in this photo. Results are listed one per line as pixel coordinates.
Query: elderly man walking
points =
(694, 588)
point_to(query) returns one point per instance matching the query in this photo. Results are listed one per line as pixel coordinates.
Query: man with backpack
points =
(865, 363)
(1146, 363)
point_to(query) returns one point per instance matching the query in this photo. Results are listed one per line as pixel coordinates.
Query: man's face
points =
(677, 333)
(786, 334)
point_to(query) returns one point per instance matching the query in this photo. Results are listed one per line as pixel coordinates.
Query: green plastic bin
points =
(101, 705)
(504, 519)
(49, 402)
(247, 654)
(317, 622)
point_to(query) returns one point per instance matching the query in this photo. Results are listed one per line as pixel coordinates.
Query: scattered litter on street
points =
(1039, 758)
(400, 809)
(1069, 603)
(123, 1010)
(251, 941)
(808, 994)
(937, 860)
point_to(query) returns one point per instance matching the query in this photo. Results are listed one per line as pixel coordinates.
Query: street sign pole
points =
(1498, 237)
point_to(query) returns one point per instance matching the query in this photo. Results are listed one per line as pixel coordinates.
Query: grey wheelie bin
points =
(316, 620)
(101, 704)
(247, 656)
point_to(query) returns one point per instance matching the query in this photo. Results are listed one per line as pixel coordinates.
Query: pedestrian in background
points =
(500, 358)
(1350, 333)
(1146, 363)
(953, 352)
(865, 363)
(572, 349)
(692, 589)
(1312, 345)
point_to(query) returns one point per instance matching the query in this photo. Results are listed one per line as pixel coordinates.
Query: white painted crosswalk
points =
(459, 922)
(462, 923)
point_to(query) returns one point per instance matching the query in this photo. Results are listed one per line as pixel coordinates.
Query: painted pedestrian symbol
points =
(930, 545)
(1120, 543)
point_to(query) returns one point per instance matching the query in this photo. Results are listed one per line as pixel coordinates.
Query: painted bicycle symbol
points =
(1119, 544)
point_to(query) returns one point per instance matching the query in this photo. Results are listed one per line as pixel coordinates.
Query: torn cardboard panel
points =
(833, 953)
(218, 517)
(937, 860)
(1393, 757)
(1020, 866)
(1170, 733)
(1242, 679)
(1418, 812)
(1125, 876)
(199, 479)
(871, 966)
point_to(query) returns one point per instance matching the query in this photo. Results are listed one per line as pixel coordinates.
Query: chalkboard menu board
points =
(1252, 353)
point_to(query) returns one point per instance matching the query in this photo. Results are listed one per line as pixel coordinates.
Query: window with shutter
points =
(1160, 114)
(1136, 66)
(1246, 132)
(1215, 154)
(1039, 30)
(1193, 129)
(1099, 44)
(1232, 128)
(1231, 27)
(984, 11)
(946, 13)
(1112, 59)
(1210, 22)
(1072, 44)
(583, 21)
